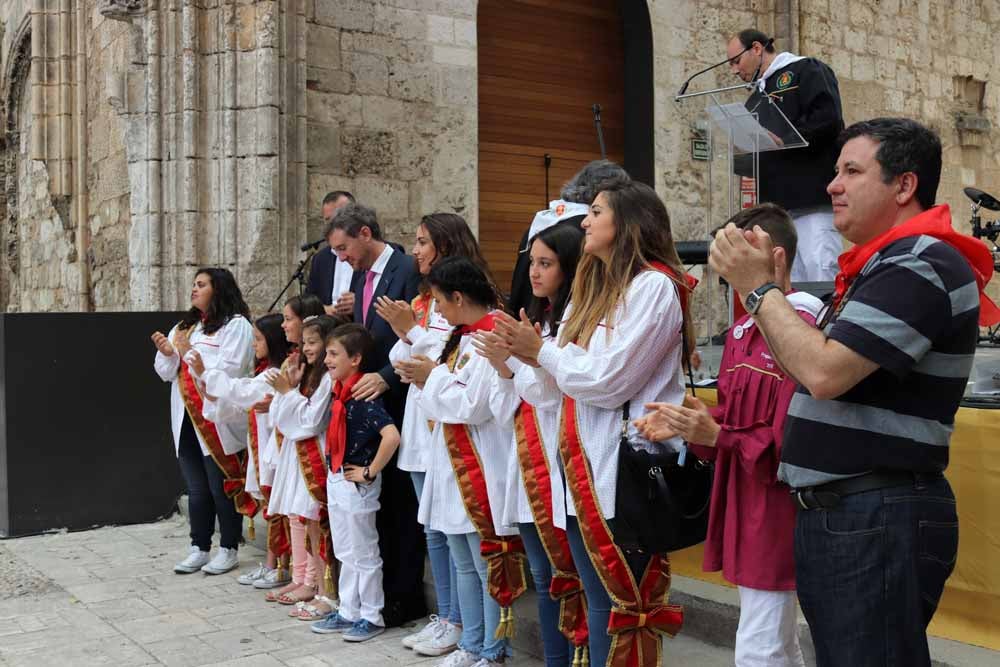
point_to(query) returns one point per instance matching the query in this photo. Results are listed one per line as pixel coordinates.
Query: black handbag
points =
(661, 504)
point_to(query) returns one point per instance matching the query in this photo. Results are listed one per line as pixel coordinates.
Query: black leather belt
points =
(826, 496)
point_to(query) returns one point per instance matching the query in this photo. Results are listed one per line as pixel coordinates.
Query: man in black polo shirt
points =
(867, 434)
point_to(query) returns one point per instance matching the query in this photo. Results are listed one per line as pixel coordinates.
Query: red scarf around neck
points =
(336, 432)
(485, 323)
(935, 222)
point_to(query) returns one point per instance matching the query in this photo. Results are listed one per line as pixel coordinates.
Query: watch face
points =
(752, 300)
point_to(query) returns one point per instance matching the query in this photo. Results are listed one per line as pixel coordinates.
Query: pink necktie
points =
(366, 296)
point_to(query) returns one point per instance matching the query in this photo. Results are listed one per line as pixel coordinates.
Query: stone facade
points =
(214, 127)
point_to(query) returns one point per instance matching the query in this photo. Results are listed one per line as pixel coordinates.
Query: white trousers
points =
(819, 246)
(355, 544)
(767, 635)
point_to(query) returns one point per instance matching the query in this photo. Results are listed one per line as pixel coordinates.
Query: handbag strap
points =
(684, 350)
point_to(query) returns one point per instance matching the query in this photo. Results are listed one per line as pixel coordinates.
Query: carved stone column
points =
(213, 114)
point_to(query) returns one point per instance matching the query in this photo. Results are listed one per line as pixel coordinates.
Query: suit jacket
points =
(321, 271)
(400, 280)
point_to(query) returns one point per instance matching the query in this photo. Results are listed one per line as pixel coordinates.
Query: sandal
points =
(319, 608)
(273, 595)
(291, 597)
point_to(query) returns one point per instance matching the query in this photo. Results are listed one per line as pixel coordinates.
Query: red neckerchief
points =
(690, 281)
(935, 222)
(262, 365)
(336, 432)
(485, 323)
(422, 309)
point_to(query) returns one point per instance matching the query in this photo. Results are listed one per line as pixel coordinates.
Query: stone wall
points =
(47, 275)
(391, 92)
(107, 172)
(931, 60)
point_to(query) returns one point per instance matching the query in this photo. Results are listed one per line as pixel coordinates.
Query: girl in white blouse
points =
(218, 328)
(620, 343)
(464, 490)
(300, 412)
(517, 398)
(423, 331)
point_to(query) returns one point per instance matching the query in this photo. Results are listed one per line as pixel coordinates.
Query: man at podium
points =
(806, 91)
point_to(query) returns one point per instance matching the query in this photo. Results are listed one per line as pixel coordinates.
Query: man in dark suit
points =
(381, 270)
(329, 278)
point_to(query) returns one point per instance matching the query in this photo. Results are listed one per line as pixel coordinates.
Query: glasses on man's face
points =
(735, 60)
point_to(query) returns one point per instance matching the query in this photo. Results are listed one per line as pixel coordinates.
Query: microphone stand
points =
(548, 164)
(600, 132)
(299, 274)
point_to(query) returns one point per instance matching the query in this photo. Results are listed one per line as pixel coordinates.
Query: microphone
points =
(306, 247)
(691, 78)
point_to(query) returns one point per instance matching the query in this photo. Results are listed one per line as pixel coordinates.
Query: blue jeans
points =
(558, 651)
(870, 572)
(442, 565)
(206, 496)
(480, 612)
(598, 601)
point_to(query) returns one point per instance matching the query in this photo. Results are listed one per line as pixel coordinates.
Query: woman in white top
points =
(620, 342)
(534, 485)
(210, 454)
(464, 490)
(422, 332)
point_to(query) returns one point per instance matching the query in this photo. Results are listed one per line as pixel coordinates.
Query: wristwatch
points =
(755, 297)
(366, 475)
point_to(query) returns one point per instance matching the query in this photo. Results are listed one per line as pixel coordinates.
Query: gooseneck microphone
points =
(684, 87)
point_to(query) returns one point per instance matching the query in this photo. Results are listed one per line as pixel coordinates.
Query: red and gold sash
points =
(640, 612)
(312, 464)
(535, 469)
(233, 466)
(254, 441)
(504, 555)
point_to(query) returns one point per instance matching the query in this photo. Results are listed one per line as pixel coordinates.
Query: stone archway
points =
(15, 84)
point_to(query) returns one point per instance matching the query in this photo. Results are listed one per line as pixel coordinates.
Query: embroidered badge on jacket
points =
(784, 80)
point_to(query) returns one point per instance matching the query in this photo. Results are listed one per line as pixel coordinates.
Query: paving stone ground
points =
(109, 597)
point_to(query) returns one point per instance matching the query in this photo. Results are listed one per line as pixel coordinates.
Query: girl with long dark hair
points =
(463, 491)
(422, 332)
(210, 453)
(534, 494)
(299, 412)
(620, 346)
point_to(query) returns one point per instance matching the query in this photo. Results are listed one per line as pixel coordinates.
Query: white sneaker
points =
(444, 641)
(459, 659)
(424, 634)
(273, 579)
(195, 560)
(253, 575)
(224, 561)
(483, 662)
